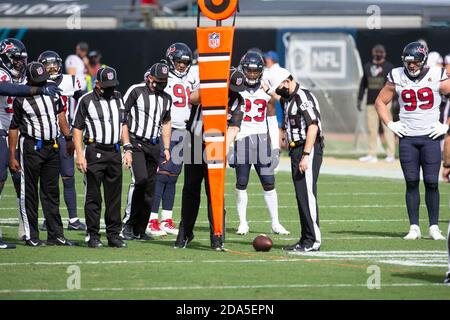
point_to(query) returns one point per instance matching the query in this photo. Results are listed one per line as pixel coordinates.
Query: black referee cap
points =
(159, 70)
(36, 73)
(236, 80)
(107, 77)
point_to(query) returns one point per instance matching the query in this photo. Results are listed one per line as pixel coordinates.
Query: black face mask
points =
(159, 86)
(283, 92)
(107, 92)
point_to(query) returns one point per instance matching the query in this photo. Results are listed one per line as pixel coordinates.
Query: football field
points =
(363, 220)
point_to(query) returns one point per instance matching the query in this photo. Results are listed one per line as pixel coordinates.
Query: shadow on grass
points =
(371, 233)
(424, 276)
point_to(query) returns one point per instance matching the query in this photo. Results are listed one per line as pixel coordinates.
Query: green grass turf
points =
(357, 214)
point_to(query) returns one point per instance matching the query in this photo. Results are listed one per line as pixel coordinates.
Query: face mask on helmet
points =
(181, 66)
(413, 67)
(18, 64)
(53, 68)
(252, 75)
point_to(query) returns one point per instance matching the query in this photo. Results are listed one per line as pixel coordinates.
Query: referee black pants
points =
(141, 190)
(194, 174)
(39, 170)
(103, 167)
(306, 193)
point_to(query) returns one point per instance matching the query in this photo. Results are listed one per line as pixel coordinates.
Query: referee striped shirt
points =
(101, 118)
(146, 111)
(300, 110)
(37, 117)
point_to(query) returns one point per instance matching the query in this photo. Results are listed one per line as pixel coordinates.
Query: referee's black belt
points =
(144, 140)
(43, 142)
(105, 147)
(296, 144)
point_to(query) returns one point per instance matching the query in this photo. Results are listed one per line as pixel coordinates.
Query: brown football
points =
(262, 243)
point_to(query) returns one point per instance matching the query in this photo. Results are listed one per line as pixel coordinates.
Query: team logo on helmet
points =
(172, 49)
(40, 71)
(7, 47)
(110, 75)
(214, 40)
(422, 50)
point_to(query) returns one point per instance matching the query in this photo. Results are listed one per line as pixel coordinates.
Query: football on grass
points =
(262, 243)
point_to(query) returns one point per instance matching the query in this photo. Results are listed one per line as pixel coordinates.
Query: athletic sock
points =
(413, 201)
(160, 185)
(241, 203)
(432, 201)
(21, 230)
(70, 196)
(271, 199)
(166, 214)
(154, 215)
(73, 220)
(168, 197)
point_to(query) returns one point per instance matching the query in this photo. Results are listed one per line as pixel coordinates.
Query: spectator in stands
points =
(149, 9)
(94, 64)
(373, 81)
(76, 63)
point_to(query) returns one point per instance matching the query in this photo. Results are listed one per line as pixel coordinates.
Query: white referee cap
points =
(278, 77)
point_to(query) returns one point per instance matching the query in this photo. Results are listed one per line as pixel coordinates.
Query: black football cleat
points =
(94, 243)
(35, 243)
(181, 244)
(116, 242)
(4, 245)
(127, 232)
(61, 242)
(447, 279)
(217, 243)
(76, 226)
(297, 247)
(143, 237)
(43, 226)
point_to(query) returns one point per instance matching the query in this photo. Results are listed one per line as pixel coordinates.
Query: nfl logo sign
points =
(214, 40)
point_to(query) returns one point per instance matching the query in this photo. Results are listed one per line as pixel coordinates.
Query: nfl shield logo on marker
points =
(214, 40)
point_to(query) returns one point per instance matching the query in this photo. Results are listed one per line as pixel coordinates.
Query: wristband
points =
(68, 138)
(128, 147)
(304, 153)
(446, 166)
(166, 148)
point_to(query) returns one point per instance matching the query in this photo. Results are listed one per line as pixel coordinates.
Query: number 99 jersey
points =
(180, 88)
(419, 99)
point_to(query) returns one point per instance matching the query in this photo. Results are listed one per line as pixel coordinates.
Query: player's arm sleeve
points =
(79, 120)
(16, 90)
(18, 114)
(362, 86)
(236, 112)
(444, 75)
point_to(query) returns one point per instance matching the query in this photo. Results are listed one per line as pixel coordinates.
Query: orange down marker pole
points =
(215, 45)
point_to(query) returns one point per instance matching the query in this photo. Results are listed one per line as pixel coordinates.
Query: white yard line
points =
(232, 287)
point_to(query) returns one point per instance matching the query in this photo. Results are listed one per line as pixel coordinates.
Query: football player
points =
(70, 87)
(180, 84)
(419, 90)
(13, 59)
(257, 143)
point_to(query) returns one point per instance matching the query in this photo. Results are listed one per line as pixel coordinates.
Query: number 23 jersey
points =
(255, 113)
(419, 99)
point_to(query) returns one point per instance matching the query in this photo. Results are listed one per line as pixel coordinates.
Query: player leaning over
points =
(257, 143)
(419, 90)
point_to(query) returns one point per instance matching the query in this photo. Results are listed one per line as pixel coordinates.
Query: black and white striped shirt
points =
(102, 118)
(300, 111)
(146, 111)
(37, 117)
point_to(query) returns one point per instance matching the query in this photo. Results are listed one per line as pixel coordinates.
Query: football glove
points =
(50, 90)
(397, 127)
(438, 129)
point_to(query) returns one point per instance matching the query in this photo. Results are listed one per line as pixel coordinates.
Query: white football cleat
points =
(153, 229)
(168, 226)
(243, 229)
(279, 229)
(435, 233)
(369, 159)
(389, 159)
(414, 233)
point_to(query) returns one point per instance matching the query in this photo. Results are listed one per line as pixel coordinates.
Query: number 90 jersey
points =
(180, 90)
(419, 99)
(254, 120)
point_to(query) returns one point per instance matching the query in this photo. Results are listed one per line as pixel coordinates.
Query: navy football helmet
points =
(52, 63)
(252, 65)
(13, 56)
(179, 53)
(414, 58)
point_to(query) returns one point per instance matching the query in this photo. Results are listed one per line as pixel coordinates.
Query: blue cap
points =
(272, 55)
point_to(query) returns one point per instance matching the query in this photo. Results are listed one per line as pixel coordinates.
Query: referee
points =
(196, 169)
(100, 114)
(147, 108)
(37, 119)
(304, 134)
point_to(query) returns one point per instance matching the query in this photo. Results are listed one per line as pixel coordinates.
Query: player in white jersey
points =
(70, 92)
(419, 90)
(257, 144)
(180, 84)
